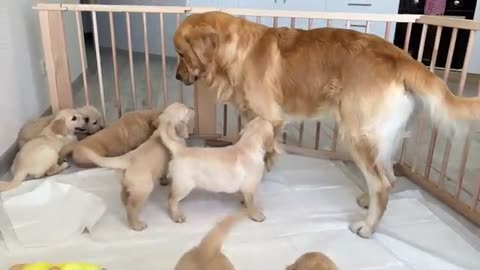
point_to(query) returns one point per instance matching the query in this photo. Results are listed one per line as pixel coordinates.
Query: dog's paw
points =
(257, 217)
(362, 229)
(363, 200)
(179, 218)
(65, 165)
(138, 226)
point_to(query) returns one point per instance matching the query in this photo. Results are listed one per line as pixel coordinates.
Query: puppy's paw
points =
(363, 200)
(178, 218)
(65, 165)
(258, 217)
(362, 229)
(138, 226)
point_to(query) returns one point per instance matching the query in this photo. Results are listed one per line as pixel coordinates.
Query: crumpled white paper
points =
(52, 213)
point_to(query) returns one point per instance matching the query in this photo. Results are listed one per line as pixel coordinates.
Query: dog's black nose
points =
(87, 119)
(178, 77)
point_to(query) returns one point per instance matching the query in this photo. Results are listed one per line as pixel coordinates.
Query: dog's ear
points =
(204, 41)
(156, 123)
(59, 127)
(182, 130)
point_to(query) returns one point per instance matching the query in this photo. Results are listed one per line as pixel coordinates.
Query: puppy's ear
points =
(156, 123)
(204, 41)
(59, 127)
(182, 130)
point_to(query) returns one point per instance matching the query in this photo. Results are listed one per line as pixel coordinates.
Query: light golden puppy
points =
(313, 261)
(33, 128)
(38, 157)
(143, 166)
(282, 74)
(124, 135)
(231, 169)
(208, 254)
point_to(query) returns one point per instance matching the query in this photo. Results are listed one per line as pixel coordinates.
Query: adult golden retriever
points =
(366, 83)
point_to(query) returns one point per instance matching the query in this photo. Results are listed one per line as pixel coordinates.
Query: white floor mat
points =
(308, 204)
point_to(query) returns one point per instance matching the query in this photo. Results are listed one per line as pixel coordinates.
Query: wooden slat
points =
(449, 22)
(99, 63)
(164, 62)
(81, 46)
(317, 135)
(388, 27)
(120, 8)
(206, 111)
(225, 119)
(147, 60)
(56, 59)
(118, 100)
(130, 62)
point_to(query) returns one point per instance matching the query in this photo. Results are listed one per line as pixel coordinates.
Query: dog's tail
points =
(169, 136)
(120, 162)
(444, 106)
(18, 178)
(211, 244)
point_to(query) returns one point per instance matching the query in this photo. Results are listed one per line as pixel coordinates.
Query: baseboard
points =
(7, 157)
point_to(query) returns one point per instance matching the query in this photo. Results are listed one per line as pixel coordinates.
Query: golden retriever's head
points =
(313, 261)
(262, 130)
(93, 119)
(196, 42)
(67, 122)
(178, 115)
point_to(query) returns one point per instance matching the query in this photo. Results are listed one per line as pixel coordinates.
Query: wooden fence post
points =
(56, 58)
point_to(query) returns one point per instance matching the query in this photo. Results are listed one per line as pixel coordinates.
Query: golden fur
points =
(124, 135)
(38, 157)
(231, 169)
(33, 128)
(313, 261)
(366, 83)
(208, 254)
(142, 167)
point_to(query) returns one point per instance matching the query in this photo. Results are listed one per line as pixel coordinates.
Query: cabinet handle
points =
(359, 25)
(360, 4)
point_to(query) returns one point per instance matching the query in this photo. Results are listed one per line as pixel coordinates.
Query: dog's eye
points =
(180, 54)
(74, 118)
(95, 122)
(87, 119)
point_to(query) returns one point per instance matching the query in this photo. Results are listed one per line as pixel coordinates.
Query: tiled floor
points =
(416, 153)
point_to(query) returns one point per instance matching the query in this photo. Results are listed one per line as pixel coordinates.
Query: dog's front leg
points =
(270, 157)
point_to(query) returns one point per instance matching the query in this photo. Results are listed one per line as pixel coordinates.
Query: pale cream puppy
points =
(231, 169)
(143, 167)
(38, 157)
(313, 261)
(208, 254)
(33, 128)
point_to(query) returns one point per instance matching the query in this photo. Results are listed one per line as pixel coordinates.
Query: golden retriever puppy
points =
(208, 254)
(38, 157)
(124, 135)
(33, 128)
(313, 261)
(231, 169)
(281, 74)
(143, 167)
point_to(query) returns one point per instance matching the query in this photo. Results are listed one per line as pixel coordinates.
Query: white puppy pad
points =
(308, 204)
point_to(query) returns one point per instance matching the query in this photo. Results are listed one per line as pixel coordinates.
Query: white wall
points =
(23, 91)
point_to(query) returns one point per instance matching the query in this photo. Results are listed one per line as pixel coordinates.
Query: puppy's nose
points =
(87, 119)
(178, 77)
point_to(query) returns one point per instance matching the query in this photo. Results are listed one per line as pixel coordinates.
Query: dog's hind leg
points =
(177, 194)
(253, 213)
(137, 197)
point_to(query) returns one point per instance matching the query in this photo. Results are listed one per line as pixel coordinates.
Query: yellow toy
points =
(64, 266)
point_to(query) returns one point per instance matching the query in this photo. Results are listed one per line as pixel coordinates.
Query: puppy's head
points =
(93, 119)
(313, 261)
(67, 122)
(178, 115)
(261, 129)
(196, 42)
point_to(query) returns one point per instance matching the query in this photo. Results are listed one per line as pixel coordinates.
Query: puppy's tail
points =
(15, 182)
(211, 244)
(444, 106)
(120, 162)
(169, 136)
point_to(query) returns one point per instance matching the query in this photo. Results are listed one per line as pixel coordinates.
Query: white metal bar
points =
(81, 45)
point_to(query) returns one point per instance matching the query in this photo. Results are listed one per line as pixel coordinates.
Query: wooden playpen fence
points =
(420, 166)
